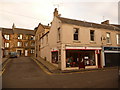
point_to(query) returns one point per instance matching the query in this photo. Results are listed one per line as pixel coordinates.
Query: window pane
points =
(75, 36)
(92, 35)
(108, 38)
(118, 38)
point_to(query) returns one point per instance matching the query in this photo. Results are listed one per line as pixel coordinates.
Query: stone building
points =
(19, 40)
(1, 44)
(74, 44)
(40, 32)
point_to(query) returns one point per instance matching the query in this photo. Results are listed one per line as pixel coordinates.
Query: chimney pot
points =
(105, 22)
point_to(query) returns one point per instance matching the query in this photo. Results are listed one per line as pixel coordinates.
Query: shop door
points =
(81, 60)
(99, 61)
(111, 59)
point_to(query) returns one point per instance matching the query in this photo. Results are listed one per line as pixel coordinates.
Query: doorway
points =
(99, 62)
(26, 52)
(19, 52)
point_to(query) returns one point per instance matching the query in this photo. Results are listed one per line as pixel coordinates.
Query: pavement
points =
(54, 70)
(2, 65)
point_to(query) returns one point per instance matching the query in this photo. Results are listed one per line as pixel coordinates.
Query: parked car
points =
(13, 54)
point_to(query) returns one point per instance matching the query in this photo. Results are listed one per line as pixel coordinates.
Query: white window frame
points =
(108, 38)
(92, 36)
(20, 36)
(32, 51)
(19, 44)
(7, 45)
(74, 33)
(7, 36)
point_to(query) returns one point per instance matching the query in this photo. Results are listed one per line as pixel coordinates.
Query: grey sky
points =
(29, 13)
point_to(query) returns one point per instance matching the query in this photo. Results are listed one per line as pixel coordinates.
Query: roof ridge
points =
(79, 22)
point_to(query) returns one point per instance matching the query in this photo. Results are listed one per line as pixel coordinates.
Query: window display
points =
(55, 57)
(80, 58)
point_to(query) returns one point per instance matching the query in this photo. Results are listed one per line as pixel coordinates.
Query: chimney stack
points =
(105, 22)
(55, 12)
(13, 26)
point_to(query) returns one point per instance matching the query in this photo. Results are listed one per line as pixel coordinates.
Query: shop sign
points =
(97, 51)
(112, 48)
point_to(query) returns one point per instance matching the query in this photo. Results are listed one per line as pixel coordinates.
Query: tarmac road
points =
(23, 72)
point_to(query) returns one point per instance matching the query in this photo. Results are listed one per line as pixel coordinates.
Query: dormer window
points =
(7, 37)
(32, 38)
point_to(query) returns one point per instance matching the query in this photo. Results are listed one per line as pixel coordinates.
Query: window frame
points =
(108, 38)
(20, 44)
(20, 36)
(59, 34)
(7, 44)
(118, 38)
(75, 34)
(7, 36)
(92, 36)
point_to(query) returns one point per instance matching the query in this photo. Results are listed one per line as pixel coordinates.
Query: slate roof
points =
(44, 26)
(17, 31)
(7, 31)
(88, 24)
(23, 31)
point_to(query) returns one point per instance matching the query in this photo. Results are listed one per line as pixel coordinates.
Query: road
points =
(23, 72)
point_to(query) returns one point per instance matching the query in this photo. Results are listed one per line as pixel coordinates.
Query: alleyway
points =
(23, 72)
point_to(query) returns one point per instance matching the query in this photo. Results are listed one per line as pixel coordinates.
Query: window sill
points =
(93, 42)
(76, 41)
(58, 41)
(109, 43)
(118, 44)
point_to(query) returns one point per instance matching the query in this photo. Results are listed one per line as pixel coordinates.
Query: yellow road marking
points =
(3, 68)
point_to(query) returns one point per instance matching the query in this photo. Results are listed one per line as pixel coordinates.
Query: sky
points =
(29, 13)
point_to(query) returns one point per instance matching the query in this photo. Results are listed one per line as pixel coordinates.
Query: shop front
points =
(83, 57)
(54, 56)
(111, 56)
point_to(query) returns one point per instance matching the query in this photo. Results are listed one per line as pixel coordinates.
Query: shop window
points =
(55, 57)
(72, 59)
(118, 39)
(7, 37)
(89, 58)
(76, 33)
(80, 58)
(92, 36)
(108, 38)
